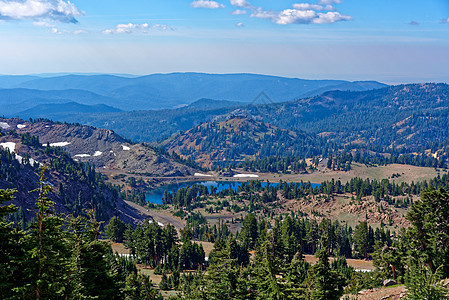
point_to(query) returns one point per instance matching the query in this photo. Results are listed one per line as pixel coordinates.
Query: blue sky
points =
(386, 40)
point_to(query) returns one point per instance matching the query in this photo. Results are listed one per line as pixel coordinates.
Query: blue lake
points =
(155, 196)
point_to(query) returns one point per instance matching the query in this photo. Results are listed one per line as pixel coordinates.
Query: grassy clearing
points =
(119, 248)
(407, 174)
(358, 264)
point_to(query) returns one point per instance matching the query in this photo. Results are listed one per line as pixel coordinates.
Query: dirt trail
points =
(159, 216)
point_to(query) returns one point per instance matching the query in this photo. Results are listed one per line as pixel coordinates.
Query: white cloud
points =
(239, 12)
(55, 10)
(330, 17)
(162, 27)
(328, 2)
(240, 25)
(446, 21)
(136, 28)
(308, 6)
(295, 16)
(43, 24)
(206, 4)
(260, 13)
(303, 13)
(241, 3)
(55, 30)
(76, 32)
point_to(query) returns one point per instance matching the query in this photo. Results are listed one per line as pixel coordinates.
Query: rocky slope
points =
(75, 186)
(103, 148)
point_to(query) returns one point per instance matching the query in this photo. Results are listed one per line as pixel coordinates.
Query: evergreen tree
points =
(11, 250)
(424, 285)
(248, 235)
(93, 260)
(327, 283)
(361, 239)
(429, 234)
(138, 287)
(47, 267)
(115, 230)
(224, 278)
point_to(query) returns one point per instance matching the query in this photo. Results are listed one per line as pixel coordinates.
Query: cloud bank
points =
(39, 10)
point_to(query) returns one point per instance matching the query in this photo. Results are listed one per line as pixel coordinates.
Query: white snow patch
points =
(32, 161)
(21, 126)
(158, 223)
(4, 125)
(12, 148)
(202, 175)
(123, 254)
(46, 126)
(9, 145)
(246, 176)
(125, 148)
(82, 155)
(60, 144)
(98, 153)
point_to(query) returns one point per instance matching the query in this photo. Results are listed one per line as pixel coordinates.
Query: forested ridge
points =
(395, 119)
(240, 137)
(403, 119)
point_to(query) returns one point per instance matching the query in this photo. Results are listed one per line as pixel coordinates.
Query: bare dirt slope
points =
(385, 293)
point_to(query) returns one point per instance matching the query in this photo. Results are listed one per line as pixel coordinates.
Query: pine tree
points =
(424, 285)
(249, 233)
(223, 280)
(11, 250)
(47, 268)
(115, 230)
(327, 283)
(138, 287)
(361, 238)
(429, 234)
(93, 260)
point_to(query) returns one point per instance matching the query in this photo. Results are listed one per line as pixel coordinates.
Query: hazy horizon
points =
(400, 42)
(58, 74)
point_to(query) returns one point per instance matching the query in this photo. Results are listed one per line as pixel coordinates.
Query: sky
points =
(392, 41)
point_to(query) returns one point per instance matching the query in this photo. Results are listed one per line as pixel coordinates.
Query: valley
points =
(239, 173)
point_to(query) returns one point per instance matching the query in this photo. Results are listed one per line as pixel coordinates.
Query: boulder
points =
(390, 282)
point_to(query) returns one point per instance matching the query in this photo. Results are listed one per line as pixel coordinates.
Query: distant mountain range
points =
(56, 111)
(160, 91)
(14, 101)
